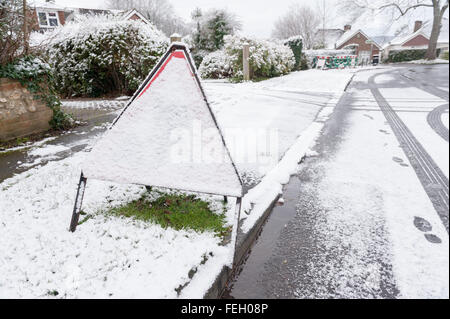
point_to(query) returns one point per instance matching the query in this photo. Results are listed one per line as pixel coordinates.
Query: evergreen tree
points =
(219, 27)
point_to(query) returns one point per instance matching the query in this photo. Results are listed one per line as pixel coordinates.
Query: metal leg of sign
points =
(78, 203)
(149, 189)
(225, 199)
(235, 231)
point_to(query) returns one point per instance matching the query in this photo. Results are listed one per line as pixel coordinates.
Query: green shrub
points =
(296, 45)
(406, 55)
(444, 55)
(35, 75)
(99, 55)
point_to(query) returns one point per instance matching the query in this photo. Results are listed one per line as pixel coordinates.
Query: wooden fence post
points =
(245, 61)
(175, 38)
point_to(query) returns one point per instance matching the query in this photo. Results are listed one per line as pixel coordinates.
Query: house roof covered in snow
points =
(46, 5)
(402, 39)
(424, 31)
(328, 37)
(71, 12)
(130, 13)
(382, 40)
(350, 34)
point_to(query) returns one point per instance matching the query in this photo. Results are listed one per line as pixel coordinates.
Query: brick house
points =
(48, 15)
(417, 40)
(365, 47)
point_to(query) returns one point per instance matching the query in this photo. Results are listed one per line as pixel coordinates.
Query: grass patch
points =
(175, 211)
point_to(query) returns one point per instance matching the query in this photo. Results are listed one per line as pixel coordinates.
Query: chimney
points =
(417, 25)
(347, 27)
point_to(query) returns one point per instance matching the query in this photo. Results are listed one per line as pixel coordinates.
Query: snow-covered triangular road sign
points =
(168, 115)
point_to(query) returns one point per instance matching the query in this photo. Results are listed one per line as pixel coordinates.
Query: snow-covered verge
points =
(329, 81)
(430, 62)
(107, 257)
(258, 199)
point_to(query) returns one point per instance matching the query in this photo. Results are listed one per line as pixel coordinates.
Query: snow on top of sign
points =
(167, 137)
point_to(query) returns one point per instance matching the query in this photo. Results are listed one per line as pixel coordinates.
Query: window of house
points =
(48, 19)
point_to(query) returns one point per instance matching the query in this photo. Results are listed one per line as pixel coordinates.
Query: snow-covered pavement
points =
(367, 223)
(283, 107)
(111, 257)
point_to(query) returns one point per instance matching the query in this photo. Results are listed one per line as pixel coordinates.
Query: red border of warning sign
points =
(175, 54)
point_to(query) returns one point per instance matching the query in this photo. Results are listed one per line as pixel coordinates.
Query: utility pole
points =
(25, 27)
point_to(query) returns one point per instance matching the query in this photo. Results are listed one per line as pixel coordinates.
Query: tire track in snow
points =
(435, 120)
(425, 86)
(430, 175)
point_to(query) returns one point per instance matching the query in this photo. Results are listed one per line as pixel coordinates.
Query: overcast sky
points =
(257, 16)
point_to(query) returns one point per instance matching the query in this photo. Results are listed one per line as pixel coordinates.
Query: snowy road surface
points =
(110, 257)
(368, 216)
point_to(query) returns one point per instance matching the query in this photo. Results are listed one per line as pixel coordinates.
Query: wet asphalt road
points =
(95, 123)
(292, 259)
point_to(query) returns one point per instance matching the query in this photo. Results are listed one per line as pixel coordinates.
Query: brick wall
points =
(62, 17)
(417, 41)
(360, 40)
(20, 114)
(134, 17)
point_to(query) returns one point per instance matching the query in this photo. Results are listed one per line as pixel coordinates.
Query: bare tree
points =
(324, 11)
(159, 12)
(401, 8)
(26, 45)
(299, 20)
(14, 30)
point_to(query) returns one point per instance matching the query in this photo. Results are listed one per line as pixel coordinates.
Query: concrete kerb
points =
(243, 247)
(244, 244)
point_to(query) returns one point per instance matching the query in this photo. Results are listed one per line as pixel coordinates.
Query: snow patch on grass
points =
(48, 150)
(106, 257)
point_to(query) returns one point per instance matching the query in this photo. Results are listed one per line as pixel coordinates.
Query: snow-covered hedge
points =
(97, 55)
(216, 65)
(267, 59)
(405, 55)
